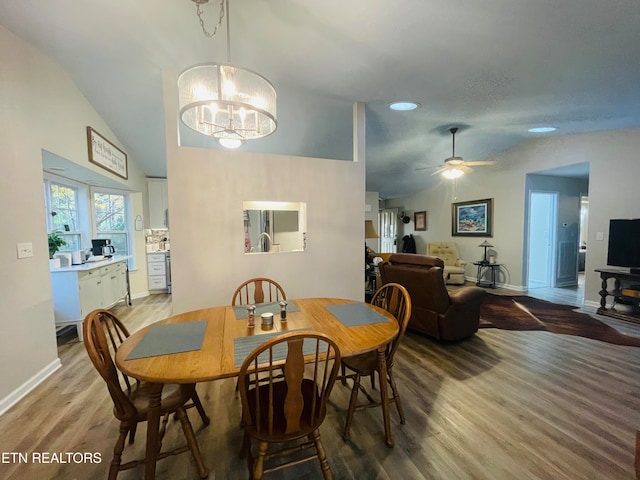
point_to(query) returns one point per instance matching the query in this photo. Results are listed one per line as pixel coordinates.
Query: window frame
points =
(86, 217)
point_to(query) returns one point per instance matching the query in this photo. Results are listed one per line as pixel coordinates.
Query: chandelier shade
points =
(227, 102)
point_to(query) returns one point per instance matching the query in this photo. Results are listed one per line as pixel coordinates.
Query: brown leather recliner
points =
(434, 311)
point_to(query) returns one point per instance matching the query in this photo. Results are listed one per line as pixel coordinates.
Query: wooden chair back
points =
(284, 408)
(258, 290)
(395, 299)
(103, 333)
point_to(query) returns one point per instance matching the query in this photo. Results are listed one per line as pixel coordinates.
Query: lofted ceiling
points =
(493, 68)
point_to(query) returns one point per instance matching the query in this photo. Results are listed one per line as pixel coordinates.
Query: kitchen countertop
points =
(91, 265)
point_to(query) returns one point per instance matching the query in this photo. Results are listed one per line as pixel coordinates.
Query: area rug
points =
(527, 313)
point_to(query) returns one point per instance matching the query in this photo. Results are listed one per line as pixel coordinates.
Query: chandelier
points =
(225, 101)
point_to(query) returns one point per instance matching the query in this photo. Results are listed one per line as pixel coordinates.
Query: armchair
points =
(434, 311)
(453, 266)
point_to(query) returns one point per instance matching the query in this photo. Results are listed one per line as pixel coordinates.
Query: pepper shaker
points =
(283, 311)
(251, 316)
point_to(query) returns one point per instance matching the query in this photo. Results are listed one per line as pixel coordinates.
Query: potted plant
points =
(55, 242)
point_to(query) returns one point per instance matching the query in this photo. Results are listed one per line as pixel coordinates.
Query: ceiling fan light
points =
(452, 173)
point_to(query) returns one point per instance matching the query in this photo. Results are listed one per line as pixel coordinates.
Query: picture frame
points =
(106, 155)
(420, 221)
(472, 219)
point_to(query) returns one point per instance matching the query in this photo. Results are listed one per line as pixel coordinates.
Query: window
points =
(110, 216)
(80, 213)
(63, 205)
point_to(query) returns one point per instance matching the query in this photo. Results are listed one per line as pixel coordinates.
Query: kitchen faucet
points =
(269, 241)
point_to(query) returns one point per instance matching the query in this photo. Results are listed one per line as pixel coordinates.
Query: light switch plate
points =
(25, 250)
(599, 235)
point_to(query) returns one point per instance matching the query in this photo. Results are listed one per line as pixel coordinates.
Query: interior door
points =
(542, 221)
(389, 230)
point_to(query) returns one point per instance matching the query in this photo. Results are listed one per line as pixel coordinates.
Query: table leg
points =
(384, 395)
(153, 427)
(603, 291)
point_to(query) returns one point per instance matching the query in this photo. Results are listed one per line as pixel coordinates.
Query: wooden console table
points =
(625, 285)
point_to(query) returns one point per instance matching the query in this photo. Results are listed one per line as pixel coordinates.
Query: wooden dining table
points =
(216, 358)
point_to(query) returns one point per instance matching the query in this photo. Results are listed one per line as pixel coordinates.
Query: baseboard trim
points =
(140, 295)
(591, 303)
(516, 288)
(19, 393)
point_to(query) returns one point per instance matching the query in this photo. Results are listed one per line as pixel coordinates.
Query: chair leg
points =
(352, 406)
(192, 443)
(343, 374)
(396, 395)
(132, 433)
(245, 449)
(117, 451)
(196, 401)
(258, 467)
(322, 455)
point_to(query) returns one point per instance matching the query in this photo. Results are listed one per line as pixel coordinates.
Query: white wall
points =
(613, 193)
(207, 188)
(41, 109)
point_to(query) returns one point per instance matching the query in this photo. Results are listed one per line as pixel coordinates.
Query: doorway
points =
(389, 230)
(543, 208)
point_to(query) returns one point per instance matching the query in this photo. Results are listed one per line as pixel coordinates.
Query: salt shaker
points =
(251, 316)
(283, 311)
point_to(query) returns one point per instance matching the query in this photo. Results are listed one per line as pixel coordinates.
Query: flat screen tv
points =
(624, 244)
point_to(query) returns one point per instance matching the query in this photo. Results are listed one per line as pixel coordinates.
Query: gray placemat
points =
(355, 314)
(273, 307)
(243, 346)
(170, 338)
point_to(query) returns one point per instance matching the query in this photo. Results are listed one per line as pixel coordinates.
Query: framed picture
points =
(472, 219)
(106, 155)
(420, 221)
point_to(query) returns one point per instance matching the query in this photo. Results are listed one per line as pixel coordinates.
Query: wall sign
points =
(106, 155)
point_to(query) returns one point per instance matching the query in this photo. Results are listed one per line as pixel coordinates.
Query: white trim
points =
(146, 293)
(591, 303)
(19, 393)
(517, 288)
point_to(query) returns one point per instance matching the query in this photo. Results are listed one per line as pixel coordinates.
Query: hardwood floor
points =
(500, 405)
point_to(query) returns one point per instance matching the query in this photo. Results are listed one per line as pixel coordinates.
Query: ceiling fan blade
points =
(465, 168)
(440, 170)
(429, 167)
(484, 162)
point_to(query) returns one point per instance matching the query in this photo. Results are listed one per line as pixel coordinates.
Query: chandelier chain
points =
(217, 26)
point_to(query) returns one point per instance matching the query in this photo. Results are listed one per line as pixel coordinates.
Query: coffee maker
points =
(102, 246)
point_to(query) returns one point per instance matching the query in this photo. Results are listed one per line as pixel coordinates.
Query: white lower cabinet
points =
(157, 271)
(77, 292)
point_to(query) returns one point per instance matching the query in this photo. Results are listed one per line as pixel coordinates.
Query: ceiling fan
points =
(453, 166)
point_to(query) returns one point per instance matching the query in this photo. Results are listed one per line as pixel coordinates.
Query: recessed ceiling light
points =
(542, 129)
(404, 106)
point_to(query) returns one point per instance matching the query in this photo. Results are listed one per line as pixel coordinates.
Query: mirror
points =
(272, 227)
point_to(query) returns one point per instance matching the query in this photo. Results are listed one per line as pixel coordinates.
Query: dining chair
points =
(103, 333)
(284, 409)
(395, 299)
(258, 290)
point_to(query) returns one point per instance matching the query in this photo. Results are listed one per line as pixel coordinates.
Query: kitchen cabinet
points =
(80, 289)
(157, 272)
(158, 203)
